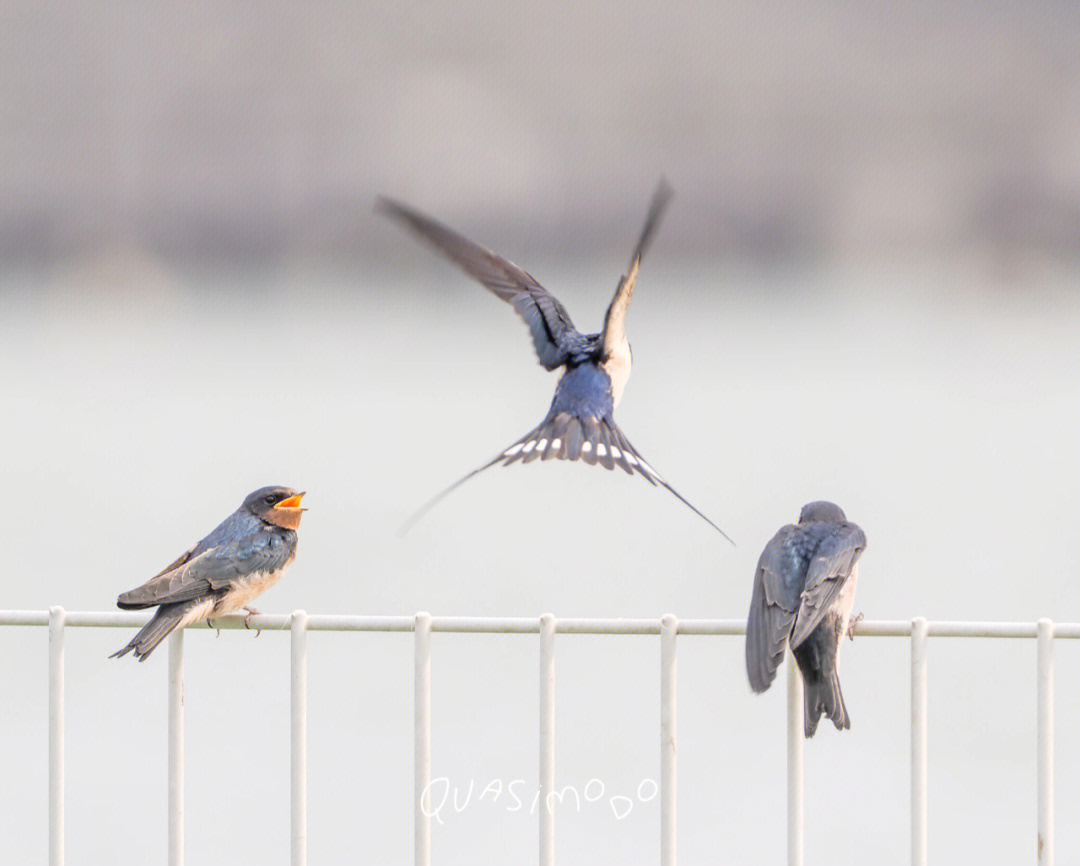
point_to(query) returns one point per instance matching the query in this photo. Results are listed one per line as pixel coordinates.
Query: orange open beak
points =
(291, 504)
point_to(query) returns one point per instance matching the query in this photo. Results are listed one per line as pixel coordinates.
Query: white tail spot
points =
(512, 450)
(529, 446)
(616, 453)
(556, 444)
(601, 449)
(630, 458)
(586, 447)
(541, 445)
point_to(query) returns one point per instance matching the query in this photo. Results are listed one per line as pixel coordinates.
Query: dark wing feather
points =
(832, 564)
(213, 569)
(547, 319)
(773, 605)
(615, 320)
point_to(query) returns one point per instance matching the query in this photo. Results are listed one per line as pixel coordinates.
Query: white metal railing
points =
(547, 626)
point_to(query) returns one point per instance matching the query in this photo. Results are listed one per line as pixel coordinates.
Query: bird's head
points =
(825, 512)
(277, 505)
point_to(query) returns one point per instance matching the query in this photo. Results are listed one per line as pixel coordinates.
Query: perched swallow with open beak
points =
(246, 555)
(804, 591)
(580, 423)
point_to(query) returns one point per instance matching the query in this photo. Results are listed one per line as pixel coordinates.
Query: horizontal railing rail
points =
(531, 625)
(668, 628)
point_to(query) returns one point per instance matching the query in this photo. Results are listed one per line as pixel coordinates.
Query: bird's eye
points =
(271, 499)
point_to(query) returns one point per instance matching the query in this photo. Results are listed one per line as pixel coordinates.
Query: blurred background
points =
(866, 290)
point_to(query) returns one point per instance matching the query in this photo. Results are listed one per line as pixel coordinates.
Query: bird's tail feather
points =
(167, 618)
(823, 697)
(564, 436)
(568, 437)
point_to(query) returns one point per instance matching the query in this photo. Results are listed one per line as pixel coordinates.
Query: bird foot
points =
(210, 624)
(250, 613)
(854, 621)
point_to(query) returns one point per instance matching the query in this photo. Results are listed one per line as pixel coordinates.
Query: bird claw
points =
(851, 625)
(250, 613)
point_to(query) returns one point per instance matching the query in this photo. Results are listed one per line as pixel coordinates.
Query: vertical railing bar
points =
(298, 645)
(422, 739)
(422, 722)
(919, 809)
(669, 627)
(1045, 839)
(176, 748)
(547, 740)
(56, 736)
(795, 763)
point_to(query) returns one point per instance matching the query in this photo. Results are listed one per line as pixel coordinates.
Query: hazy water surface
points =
(940, 408)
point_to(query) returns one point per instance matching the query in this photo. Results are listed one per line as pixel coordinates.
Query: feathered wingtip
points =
(568, 437)
(662, 197)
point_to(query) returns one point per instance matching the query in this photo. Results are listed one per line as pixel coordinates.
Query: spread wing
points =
(832, 564)
(193, 576)
(615, 320)
(774, 602)
(547, 319)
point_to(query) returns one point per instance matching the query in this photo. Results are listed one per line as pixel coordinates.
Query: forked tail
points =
(567, 437)
(167, 618)
(823, 698)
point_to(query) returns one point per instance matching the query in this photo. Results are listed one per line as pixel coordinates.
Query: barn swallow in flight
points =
(580, 424)
(246, 555)
(804, 590)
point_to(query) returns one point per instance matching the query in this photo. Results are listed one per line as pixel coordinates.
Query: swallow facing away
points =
(246, 555)
(804, 591)
(580, 423)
